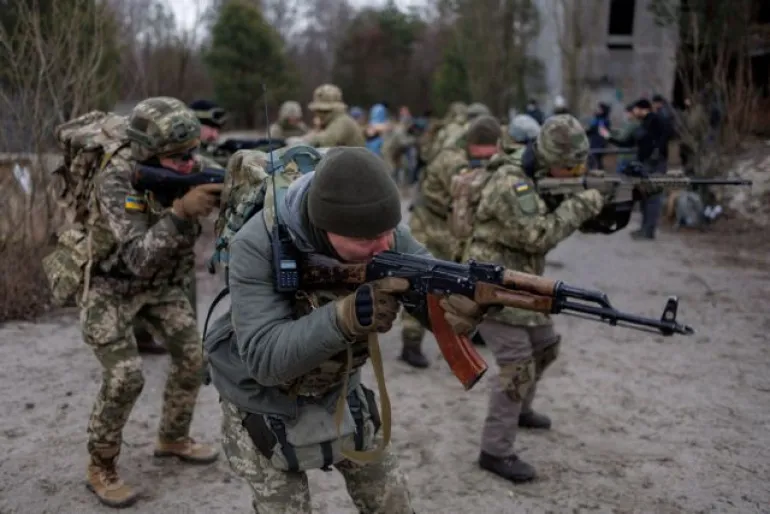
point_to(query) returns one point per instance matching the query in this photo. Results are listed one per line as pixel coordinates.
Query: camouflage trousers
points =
(376, 488)
(142, 328)
(107, 322)
(432, 232)
(522, 353)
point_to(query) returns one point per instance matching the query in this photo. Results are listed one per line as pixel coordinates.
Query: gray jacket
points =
(256, 345)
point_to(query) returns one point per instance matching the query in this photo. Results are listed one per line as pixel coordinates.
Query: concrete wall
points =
(616, 76)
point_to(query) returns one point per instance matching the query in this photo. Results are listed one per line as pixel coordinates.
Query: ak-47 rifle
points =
(623, 191)
(485, 283)
(168, 185)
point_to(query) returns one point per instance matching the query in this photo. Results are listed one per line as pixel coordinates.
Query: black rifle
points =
(168, 185)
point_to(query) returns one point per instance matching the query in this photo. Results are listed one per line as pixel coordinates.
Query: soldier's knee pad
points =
(517, 378)
(546, 357)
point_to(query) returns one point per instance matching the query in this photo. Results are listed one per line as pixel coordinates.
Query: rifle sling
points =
(378, 453)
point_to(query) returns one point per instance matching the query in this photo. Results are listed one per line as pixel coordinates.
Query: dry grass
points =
(27, 222)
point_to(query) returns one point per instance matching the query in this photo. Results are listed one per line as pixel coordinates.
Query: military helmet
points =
(477, 109)
(562, 142)
(290, 109)
(209, 113)
(160, 126)
(523, 128)
(327, 97)
(457, 110)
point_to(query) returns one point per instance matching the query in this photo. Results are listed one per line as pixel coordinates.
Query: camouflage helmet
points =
(562, 142)
(327, 97)
(477, 109)
(457, 110)
(160, 126)
(290, 109)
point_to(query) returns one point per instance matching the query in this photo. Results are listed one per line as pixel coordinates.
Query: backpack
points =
(465, 191)
(248, 190)
(88, 142)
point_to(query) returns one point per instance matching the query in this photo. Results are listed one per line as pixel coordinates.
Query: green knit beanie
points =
(353, 195)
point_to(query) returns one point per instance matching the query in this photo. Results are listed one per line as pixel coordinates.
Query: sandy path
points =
(641, 423)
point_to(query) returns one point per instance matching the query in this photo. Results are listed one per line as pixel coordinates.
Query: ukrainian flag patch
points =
(135, 204)
(521, 187)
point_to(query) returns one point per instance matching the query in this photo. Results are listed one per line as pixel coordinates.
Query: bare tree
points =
(573, 22)
(55, 64)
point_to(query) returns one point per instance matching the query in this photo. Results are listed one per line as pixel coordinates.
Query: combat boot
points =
(103, 480)
(413, 356)
(535, 420)
(510, 468)
(187, 450)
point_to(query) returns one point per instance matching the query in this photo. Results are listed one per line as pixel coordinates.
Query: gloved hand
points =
(593, 198)
(198, 201)
(462, 313)
(370, 308)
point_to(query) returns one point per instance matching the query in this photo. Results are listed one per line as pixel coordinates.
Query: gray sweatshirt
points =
(256, 345)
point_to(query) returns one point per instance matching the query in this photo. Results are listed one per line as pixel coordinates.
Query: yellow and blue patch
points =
(521, 187)
(136, 203)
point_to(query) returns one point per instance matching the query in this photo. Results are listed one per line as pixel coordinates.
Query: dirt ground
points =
(642, 423)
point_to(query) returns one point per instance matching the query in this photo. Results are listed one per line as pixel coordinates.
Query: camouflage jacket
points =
(269, 344)
(342, 130)
(429, 219)
(447, 136)
(514, 227)
(151, 248)
(282, 130)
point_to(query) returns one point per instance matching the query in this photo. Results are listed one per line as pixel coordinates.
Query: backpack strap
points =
(90, 241)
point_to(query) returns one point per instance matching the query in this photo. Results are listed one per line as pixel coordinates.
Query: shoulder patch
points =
(521, 187)
(135, 203)
(526, 196)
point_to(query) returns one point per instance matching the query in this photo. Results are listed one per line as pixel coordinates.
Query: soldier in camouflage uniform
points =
(452, 124)
(514, 228)
(455, 137)
(289, 122)
(281, 362)
(145, 277)
(337, 127)
(429, 219)
(212, 119)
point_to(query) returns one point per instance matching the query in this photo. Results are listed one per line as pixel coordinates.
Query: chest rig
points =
(337, 369)
(332, 372)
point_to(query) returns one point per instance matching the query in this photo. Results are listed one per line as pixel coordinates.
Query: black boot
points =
(510, 468)
(532, 419)
(413, 356)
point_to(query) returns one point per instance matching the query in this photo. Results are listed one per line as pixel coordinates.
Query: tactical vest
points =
(337, 369)
(332, 372)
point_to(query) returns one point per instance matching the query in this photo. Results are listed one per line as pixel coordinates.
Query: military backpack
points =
(88, 142)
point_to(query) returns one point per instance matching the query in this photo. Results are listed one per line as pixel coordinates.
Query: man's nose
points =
(381, 244)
